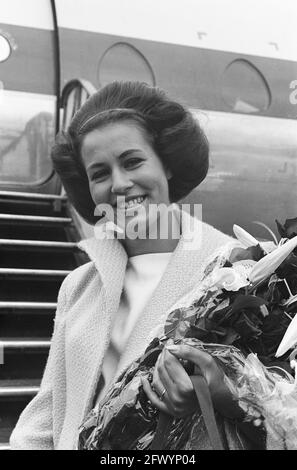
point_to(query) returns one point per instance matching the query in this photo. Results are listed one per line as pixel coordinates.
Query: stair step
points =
(26, 323)
(22, 288)
(18, 388)
(40, 196)
(18, 392)
(35, 244)
(34, 219)
(4, 446)
(36, 204)
(26, 344)
(10, 410)
(13, 272)
(23, 364)
(23, 254)
(28, 305)
(34, 231)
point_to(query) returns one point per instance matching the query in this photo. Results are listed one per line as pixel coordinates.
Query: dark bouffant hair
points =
(175, 134)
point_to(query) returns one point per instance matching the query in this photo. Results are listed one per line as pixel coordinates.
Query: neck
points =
(142, 247)
(157, 244)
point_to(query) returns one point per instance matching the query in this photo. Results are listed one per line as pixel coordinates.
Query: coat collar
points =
(109, 255)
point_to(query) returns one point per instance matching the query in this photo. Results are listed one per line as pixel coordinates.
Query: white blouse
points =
(143, 274)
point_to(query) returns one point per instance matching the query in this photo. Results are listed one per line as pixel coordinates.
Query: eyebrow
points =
(120, 157)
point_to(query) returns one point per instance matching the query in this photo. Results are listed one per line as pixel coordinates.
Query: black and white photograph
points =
(148, 227)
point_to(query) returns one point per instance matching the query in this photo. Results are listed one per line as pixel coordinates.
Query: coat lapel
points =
(110, 260)
(92, 315)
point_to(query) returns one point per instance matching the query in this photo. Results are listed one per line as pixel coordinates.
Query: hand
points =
(222, 398)
(206, 366)
(172, 390)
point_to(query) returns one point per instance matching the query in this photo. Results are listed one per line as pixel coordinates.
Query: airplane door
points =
(29, 86)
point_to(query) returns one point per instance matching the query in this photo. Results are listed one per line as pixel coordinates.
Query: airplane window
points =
(244, 88)
(28, 102)
(5, 49)
(123, 61)
(27, 127)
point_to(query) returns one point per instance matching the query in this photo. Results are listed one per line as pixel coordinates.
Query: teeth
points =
(133, 202)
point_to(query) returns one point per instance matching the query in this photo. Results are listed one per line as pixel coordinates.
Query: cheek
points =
(99, 193)
(159, 190)
(155, 178)
(154, 184)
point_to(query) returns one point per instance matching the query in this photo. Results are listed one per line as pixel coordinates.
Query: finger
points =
(175, 372)
(154, 398)
(161, 370)
(161, 378)
(174, 409)
(169, 373)
(190, 353)
(152, 394)
(160, 381)
(180, 392)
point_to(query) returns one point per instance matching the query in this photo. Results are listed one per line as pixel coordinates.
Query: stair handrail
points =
(82, 89)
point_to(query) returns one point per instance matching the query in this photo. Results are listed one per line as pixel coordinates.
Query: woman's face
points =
(123, 170)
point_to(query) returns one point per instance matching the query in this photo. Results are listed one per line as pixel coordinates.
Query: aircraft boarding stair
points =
(37, 250)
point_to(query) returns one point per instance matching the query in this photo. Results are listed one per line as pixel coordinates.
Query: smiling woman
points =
(166, 129)
(130, 148)
(125, 172)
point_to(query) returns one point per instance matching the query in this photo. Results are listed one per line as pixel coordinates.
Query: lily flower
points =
(229, 279)
(248, 240)
(290, 338)
(267, 265)
(244, 237)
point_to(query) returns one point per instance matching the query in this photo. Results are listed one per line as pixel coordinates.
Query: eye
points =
(132, 162)
(100, 175)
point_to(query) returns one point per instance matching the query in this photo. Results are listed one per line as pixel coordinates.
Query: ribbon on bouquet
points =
(206, 407)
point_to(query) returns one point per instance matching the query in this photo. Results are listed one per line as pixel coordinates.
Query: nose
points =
(121, 182)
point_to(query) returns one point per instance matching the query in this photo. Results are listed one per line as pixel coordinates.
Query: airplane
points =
(231, 62)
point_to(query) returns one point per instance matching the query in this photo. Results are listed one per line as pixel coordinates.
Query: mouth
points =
(131, 202)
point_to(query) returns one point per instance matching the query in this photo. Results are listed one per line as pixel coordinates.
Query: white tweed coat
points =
(88, 300)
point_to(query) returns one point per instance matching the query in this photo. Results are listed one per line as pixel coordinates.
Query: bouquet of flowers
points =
(243, 314)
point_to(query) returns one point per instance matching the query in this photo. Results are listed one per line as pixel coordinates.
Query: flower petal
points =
(267, 265)
(289, 340)
(229, 279)
(244, 237)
